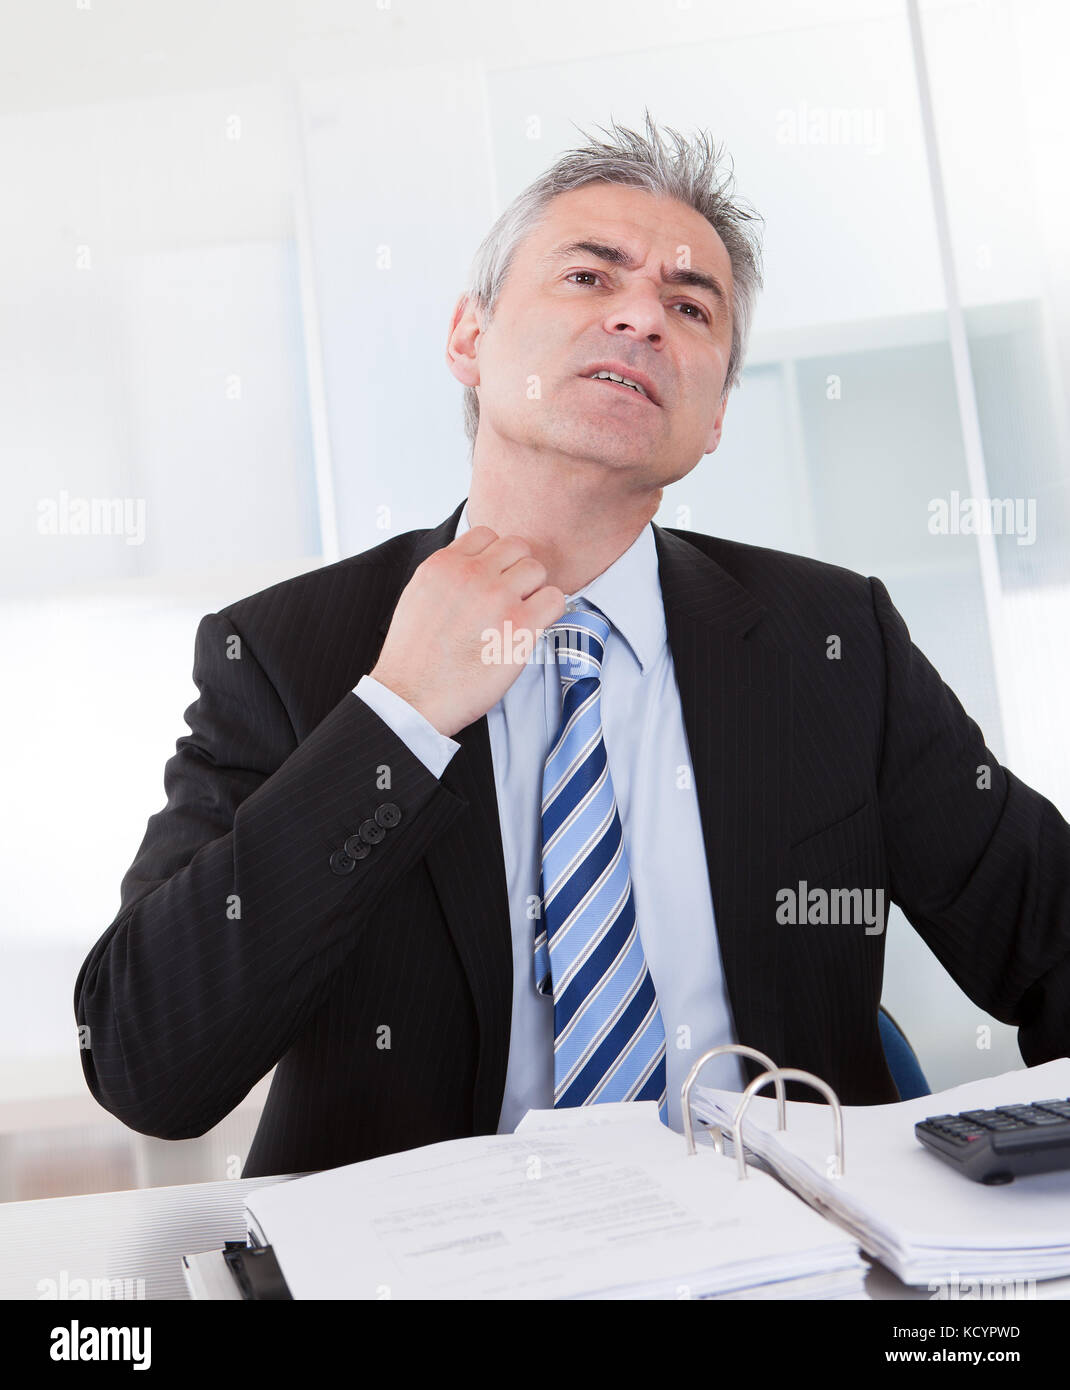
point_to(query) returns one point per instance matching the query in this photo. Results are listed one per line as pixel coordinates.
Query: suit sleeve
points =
(233, 917)
(420, 736)
(978, 861)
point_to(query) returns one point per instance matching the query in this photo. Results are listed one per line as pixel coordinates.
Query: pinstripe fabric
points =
(382, 997)
(609, 1039)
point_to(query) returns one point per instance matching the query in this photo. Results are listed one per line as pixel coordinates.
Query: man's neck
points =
(577, 517)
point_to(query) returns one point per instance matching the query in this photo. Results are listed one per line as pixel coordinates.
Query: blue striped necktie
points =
(609, 1040)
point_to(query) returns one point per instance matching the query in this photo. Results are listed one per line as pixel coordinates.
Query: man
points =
(507, 813)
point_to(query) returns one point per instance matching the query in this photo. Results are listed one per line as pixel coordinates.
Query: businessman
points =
(502, 814)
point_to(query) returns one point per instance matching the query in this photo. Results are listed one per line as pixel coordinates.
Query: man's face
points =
(567, 310)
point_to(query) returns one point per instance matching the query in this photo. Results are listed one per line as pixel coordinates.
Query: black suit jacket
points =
(382, 986)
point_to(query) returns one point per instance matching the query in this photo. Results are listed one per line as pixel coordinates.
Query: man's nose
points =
(638, 311)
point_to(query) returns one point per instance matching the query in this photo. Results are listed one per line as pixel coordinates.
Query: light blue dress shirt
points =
(650, 763)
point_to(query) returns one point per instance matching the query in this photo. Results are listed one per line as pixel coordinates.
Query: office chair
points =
(902, 1060)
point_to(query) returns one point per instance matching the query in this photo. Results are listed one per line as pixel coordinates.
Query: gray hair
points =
(689, 174)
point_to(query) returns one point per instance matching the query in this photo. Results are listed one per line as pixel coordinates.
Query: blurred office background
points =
(232, 236)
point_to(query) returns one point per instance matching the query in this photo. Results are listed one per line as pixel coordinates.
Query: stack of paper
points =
(905, 1206)
(598, 1202)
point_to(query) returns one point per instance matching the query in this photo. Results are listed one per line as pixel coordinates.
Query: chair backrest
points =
(902, 1061)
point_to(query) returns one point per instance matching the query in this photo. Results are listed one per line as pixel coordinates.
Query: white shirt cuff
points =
(419, 735)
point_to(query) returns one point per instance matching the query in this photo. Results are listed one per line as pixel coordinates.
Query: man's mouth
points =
(619, 381)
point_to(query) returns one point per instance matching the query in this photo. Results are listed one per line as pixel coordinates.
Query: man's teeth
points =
(624, 380)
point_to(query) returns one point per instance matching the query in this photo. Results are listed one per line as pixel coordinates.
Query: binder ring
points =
(789, 1074)
(685, 1090)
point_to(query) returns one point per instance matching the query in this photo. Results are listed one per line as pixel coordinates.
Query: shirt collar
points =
(628, 593)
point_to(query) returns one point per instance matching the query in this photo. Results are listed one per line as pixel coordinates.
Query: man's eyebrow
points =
(616, 255)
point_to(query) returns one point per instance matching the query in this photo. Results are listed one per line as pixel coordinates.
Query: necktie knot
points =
(579, 639)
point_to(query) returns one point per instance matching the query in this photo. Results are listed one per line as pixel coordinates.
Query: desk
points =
(138, 1235)
(143, 1235)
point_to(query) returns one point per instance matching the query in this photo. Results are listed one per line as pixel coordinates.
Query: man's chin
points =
(602, 441)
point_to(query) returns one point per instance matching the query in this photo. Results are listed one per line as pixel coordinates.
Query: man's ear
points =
(714, 436)
(461, 354)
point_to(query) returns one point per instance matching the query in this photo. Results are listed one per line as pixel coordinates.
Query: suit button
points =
(356, 848)
(370, 832)
(387, 815)
(341, 863)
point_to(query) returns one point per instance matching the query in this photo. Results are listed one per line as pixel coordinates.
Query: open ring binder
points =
(777, 1075)
(788, 1074)
(460, 1218)
(685, 1091)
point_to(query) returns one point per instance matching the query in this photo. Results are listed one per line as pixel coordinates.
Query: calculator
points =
(997, 1146)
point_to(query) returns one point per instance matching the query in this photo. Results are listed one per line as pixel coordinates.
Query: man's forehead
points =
(643, 224)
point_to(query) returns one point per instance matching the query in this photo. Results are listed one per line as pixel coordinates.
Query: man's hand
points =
(435, 653)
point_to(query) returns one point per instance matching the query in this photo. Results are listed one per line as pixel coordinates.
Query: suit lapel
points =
(735, 698)
(735, 694)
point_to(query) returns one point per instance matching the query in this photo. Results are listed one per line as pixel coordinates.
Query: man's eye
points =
(704, 317)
